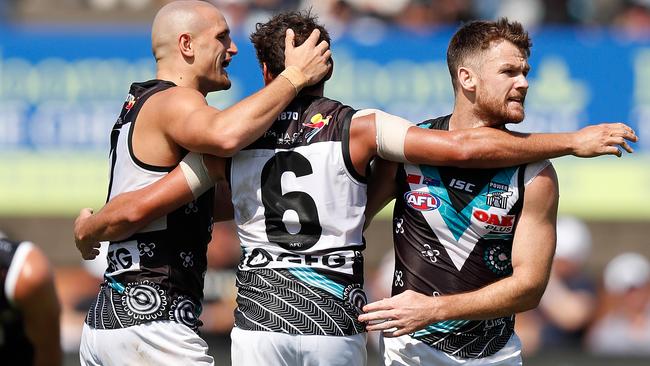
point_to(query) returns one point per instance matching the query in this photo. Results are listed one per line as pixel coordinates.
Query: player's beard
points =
(498, 112)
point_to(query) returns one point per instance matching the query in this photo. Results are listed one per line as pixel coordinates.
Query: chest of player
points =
(463, 203)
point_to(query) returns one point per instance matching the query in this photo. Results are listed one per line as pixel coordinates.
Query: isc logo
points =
(422, 201)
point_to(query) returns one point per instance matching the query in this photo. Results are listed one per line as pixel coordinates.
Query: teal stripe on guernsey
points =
(441, 327)
(458, 222)
(308, 275)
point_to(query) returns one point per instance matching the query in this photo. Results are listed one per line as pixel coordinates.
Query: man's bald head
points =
(180, 17)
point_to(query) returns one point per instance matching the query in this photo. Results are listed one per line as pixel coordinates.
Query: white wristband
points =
(196, 174)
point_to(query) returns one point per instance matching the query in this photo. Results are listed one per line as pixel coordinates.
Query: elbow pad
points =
(391, 134)
(196, 174)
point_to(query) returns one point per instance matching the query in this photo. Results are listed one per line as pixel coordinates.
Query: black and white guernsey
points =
(158, 273)
(299, 209)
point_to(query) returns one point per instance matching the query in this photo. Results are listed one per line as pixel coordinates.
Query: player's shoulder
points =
(438, 123)
(35, 272)
(177, 101)
(179, 97)
(539, 168)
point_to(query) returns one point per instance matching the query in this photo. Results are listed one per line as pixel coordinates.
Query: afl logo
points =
(422, 201)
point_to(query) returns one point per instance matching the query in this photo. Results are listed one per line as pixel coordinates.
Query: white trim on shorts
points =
(251, 347)
(155, 343)
(408, 351)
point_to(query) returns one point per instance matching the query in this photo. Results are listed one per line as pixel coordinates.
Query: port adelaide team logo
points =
(422, 201)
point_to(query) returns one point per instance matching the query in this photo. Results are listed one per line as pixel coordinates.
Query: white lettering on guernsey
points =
(462, 185)
(287, 115)
(261, 258)
(123, 257)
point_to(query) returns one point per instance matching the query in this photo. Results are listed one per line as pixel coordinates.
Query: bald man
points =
(147, 310)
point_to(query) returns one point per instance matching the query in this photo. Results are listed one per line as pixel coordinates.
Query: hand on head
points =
(311, 57)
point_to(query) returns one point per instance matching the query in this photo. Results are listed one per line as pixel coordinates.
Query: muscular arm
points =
(532, 254)
(381, 187)
(36, 297)
(129, 212)
(200, 128)
(485, 147)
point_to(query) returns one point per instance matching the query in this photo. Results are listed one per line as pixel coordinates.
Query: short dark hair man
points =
(482, 252)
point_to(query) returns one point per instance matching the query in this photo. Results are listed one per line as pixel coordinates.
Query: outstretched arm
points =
(378, 133)
(493, 148)
(198, 127)
(532, 254)
(129, 212)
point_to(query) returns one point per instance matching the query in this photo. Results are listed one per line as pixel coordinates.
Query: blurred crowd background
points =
(413, 14)
(596, 309)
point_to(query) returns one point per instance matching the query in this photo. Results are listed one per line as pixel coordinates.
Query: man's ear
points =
(467, 78)
(266, 74)
(329, 73)
(185, 45)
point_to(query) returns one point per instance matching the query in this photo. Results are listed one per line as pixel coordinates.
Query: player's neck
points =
(311, 91)
(463, 118)
(179, 78)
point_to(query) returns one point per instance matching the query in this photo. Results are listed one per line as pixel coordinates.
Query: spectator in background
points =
(29, 307)
(623, 325)
(568, 305)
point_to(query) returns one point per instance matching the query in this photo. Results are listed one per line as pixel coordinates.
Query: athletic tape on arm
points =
(196, 174)
(391, 134)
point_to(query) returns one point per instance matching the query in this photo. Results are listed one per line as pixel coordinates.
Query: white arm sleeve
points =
(196, 174)
(391, 134)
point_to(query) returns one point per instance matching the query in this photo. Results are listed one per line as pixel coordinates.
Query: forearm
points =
(241, 124)
(494, 148)
(489, 147)
(502, 298)
(115, 221)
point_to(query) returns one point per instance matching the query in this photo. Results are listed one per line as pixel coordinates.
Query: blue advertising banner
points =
(61, 89)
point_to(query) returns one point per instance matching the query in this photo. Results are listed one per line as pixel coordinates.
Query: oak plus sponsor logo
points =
(422, 201)
(492, 221)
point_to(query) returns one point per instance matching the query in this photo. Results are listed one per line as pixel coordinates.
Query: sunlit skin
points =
(192, 46)
(495, 82)
(214, 51)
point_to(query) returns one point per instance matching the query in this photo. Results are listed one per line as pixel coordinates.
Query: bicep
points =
(535, 237)
(186, 119)
(381, 186)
